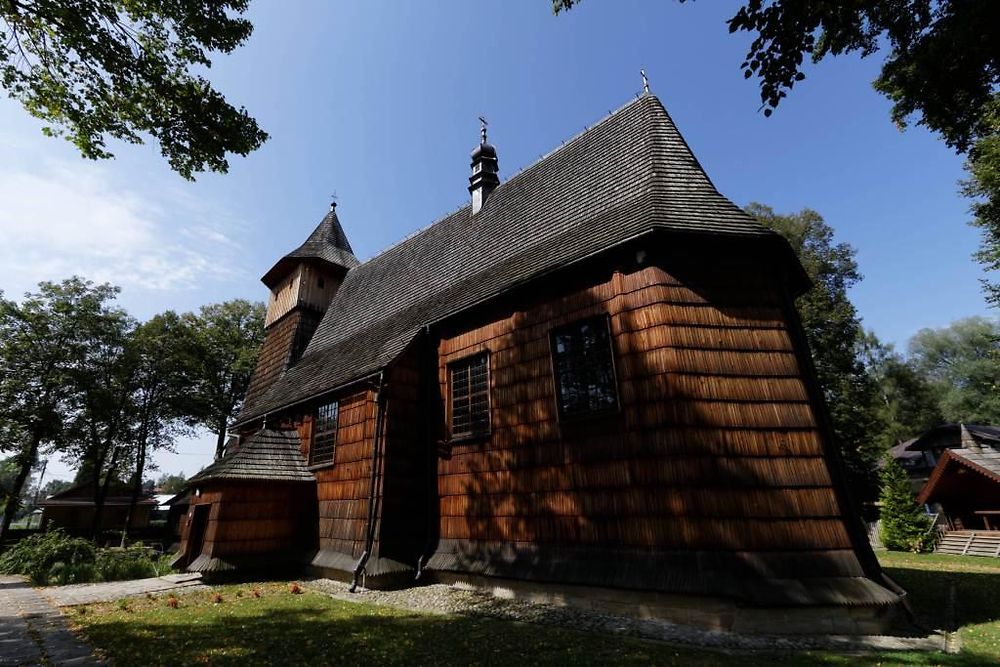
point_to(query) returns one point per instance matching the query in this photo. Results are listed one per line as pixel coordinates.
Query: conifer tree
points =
(905, 526)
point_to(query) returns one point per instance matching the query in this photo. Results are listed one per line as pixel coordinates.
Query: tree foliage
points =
(96, 70)
(834, 333)
(905, 526)
(46, 342)
(909, 401)
(228, 336)
(941, 67)
(171, 483)
(963, 362)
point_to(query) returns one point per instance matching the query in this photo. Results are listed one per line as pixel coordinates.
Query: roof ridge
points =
(517, 175)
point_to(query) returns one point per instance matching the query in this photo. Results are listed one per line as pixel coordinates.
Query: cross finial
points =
(645, 81)
(333, 200)
(482, 129)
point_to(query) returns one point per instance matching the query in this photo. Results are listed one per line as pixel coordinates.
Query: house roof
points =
(902, 451)
(328, 243)
(953, 433)
(267, 455)
(630, 174)
(984, 459)
(118, 494)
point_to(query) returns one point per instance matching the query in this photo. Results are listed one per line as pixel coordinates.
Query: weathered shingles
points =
(630, 173)
(985, 458)
(267, 455)
(327, 242)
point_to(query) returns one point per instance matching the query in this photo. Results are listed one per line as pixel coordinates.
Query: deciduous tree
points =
(228, 336)
(963, 362)
(45, 342)
(95, 70)
(910, 403)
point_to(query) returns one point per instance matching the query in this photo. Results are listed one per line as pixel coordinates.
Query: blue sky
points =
(378, 102)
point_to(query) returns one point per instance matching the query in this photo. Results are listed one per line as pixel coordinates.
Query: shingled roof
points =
(328, 243)
(267, 455)
(630, 174)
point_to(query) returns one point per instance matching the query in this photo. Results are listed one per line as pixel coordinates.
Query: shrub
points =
(56, 558)
(128, 563)
(52, 554)
(905, 526)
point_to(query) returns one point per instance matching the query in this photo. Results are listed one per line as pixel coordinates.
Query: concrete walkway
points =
(67, 596)
(33, 632)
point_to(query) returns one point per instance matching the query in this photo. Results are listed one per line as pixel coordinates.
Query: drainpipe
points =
(380, 402)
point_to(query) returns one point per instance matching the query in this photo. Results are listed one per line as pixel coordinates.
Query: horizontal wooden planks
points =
(715, 430)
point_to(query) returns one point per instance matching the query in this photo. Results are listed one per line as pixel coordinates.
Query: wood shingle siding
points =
(342, 487)
(716, 445)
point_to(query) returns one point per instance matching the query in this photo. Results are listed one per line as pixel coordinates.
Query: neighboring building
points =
(965, 482)
(592, 381)
(73, 509)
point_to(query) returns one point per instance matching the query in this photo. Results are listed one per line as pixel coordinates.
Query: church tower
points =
(302, 283)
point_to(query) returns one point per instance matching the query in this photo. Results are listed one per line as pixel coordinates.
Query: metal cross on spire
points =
(645, 81)
(333, 199)
(482, 129)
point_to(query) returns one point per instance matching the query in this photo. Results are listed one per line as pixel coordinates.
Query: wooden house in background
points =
(591, 382)
(73, 509)
(964, 485)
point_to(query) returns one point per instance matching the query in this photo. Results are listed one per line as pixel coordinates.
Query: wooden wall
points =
(276, 351)
(343, 487)
(253, 518)
(716, 448)
(284, 297)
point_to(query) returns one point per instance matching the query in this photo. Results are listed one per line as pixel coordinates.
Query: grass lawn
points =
(929, 579)
(283, 628)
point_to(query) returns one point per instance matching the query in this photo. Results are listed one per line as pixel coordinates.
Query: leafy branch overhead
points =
(95, 70)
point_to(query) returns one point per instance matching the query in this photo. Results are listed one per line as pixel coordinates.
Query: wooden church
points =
(588, 384)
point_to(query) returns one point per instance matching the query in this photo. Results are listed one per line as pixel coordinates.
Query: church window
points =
(584, 369)
(469, 388)
(324, 434)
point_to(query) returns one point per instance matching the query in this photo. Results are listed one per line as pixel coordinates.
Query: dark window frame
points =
(603, 321)
(472, 434)
(330, 433)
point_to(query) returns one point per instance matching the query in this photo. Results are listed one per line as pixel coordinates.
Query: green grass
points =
(283, 628)
(929, 579)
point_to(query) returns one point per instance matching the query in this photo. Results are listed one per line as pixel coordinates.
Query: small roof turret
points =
(327, 244)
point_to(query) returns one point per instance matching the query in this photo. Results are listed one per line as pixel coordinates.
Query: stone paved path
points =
(67, 596)
(33, 632)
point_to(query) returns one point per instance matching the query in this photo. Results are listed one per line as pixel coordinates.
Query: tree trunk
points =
(220, 444)
(140, 465)
(10, 509)
(102, 494)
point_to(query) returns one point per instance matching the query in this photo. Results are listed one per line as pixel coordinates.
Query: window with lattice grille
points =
(324, 438)
(583, 363)
(469, 384)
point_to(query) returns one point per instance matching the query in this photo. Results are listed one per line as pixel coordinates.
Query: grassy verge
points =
(953, 593)
(264, 624)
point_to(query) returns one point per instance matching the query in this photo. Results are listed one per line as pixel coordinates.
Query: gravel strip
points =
(446, 599)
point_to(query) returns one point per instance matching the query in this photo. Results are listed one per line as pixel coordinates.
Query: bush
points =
(905, 526)
(55, 558)
(54, 553)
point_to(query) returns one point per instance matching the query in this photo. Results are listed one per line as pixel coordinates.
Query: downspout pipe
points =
(380, 402)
